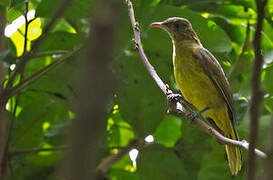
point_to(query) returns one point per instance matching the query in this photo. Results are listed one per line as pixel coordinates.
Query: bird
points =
(202, 82)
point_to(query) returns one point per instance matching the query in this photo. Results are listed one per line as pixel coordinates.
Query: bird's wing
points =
(216, 74)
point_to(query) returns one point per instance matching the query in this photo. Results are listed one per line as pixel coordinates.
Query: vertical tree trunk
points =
(3, 48)
(96, 87)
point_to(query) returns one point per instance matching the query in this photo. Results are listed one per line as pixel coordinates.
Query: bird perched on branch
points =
(202, 82)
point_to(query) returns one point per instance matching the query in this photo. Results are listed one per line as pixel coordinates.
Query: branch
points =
(177, 104)
(15, 152)
(109, 161)
(26, 27)
(143, 56)
(11, 126)
(35, 76)
(257, 93)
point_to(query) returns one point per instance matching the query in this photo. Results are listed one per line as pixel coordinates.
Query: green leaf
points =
(147, 103)
(267, 83)
(120, 133)
(168, 131)
(13, 14)
(214, 165)
(75, 11)
(157, 162)
(61, 40)
(122, 175)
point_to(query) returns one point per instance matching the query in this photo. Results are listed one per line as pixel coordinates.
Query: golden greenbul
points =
(202, 82)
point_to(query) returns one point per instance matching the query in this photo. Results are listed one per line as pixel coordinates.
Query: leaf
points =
(141, 102)
(120, 133)
(61, 40)
(122, 175)
(168, 131)
(267, 83)
(28, 132)
(75, 11)
(157, 162)
(214, 165)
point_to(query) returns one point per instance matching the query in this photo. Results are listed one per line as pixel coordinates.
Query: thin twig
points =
(15, 152)
(107, 163)
(180, 110)
(26, 27)
(257, 93)
(11, 124)
(35, 76)
(143, 56)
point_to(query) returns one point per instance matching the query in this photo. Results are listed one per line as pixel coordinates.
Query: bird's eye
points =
(176, 25)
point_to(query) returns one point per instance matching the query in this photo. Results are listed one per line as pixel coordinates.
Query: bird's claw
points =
(194, 115)
(174, 97)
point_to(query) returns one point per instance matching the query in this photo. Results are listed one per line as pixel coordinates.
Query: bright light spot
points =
(8, 106)
(56, 55)
(46, 153)
(179, 106)
(71, 115)
(133, 155)
(149, 139)
(46, 125)
(12, 67)
(115, 109)
(205, 15)
(31, 14)
(17, 23)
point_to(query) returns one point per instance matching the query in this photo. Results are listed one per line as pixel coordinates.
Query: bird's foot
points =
(194, 115)
(174, 97)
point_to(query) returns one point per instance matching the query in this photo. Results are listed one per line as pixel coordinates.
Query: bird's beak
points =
(157, 24)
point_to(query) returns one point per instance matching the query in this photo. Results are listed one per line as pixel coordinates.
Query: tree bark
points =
(96, 87)
(3, 48)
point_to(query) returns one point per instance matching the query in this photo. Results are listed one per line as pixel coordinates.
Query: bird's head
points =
(178, 28)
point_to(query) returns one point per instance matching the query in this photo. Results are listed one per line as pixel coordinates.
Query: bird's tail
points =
(234, 157)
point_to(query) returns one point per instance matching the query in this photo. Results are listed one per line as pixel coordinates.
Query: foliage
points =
(138, 108)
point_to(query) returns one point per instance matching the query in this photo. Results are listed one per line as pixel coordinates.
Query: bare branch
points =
(35, 76)
(143, 56)
(26, 27)
(257, 93)
(15, 152)
(109, 161)
(179, 108)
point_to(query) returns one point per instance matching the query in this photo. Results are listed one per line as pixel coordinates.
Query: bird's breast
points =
(194, 84)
